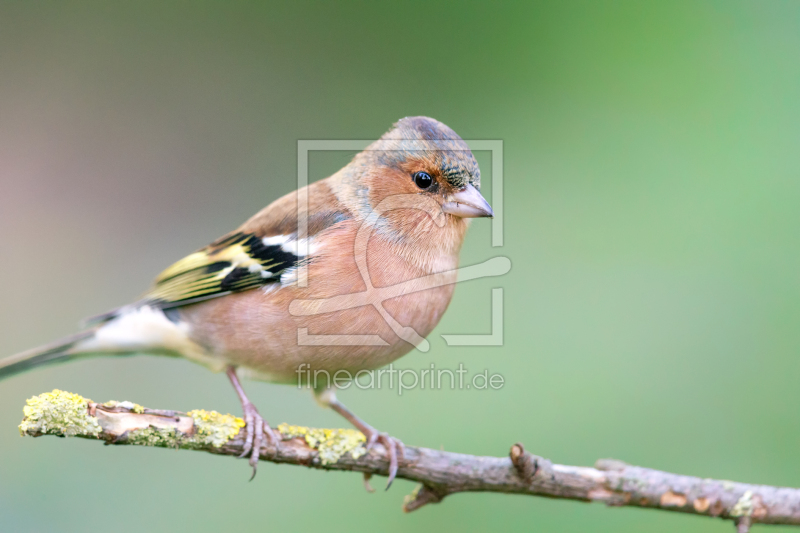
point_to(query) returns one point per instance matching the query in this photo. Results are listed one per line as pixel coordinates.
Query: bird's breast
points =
(352, 313)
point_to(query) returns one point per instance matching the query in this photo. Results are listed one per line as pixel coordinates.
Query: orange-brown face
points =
(437, 175)
(420, 201)
(423, 182)
(411, 176)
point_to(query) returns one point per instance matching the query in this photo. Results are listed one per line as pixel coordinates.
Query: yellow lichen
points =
(66, 414)
(214, 428)
(159, 437)
(58, 413)
(743, 507)
(210, 429)
(411, 498)
(130, 406)
(331, 444)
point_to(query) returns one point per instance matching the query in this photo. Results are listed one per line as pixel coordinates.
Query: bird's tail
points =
(62, 350)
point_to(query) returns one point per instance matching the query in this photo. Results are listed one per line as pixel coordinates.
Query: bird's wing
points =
(237, 262)
(253, 256)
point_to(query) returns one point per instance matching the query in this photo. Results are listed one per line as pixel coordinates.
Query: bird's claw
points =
(395, 450)
(256, 433)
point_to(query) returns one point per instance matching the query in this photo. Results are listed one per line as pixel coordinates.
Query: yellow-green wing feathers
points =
(238, 262)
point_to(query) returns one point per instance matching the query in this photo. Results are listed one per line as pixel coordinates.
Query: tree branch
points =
(440, 473)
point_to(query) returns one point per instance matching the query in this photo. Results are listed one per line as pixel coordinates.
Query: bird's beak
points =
(468, 203)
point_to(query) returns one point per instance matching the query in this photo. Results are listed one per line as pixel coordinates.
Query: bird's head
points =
(430, 172)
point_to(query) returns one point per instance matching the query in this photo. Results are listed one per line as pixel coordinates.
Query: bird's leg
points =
(255, 428)
(394, 447)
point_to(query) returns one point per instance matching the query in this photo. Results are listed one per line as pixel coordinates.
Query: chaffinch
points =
(346, 274)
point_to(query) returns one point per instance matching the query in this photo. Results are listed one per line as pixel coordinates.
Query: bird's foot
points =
(256, 433)
(255, 428)
(395, 449)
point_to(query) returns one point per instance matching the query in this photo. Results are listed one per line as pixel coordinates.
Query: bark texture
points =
(439, 473)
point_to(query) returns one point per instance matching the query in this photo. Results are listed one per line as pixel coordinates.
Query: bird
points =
(346, 274)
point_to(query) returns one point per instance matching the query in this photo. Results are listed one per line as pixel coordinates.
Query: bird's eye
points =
(423, 180)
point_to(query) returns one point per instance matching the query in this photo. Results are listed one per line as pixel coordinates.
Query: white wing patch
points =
(277, 240)
(291, 244)
(258, 269)
(289, 276)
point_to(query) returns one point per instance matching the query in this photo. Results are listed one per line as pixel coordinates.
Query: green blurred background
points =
(652, 208)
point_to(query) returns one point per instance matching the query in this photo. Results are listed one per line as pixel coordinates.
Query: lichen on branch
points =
(439, 473)
(59, 413)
